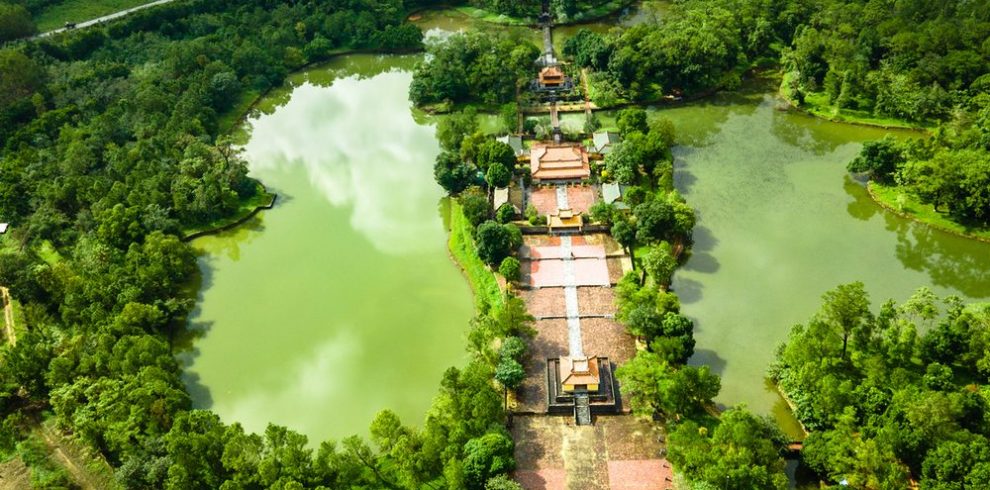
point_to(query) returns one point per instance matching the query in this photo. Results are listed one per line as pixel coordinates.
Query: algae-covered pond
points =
(780, 222)
(340, 301)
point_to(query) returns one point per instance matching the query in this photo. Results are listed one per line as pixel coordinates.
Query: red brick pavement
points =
(580, 199)
(545, 200)
(544, 301)
(550, 341)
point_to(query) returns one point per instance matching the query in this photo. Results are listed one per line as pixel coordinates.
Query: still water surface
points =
(342, 300)
(780, 222)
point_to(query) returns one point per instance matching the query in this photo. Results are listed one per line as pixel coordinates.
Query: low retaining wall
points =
(235, 223)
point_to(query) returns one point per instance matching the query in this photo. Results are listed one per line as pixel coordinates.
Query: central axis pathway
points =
(571, 300)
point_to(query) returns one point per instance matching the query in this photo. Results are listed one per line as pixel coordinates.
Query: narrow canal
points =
(342, 300)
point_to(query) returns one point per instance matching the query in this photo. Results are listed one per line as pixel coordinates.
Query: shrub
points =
(510, 269)
(534, 216)
(512, 347)
(515, 236)
(498, 176)
(477, 209)
(505, 213)
(494, 242)
(602, 212)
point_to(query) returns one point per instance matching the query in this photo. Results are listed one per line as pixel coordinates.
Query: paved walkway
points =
(562, 197)
(106, 18)
(571, 298)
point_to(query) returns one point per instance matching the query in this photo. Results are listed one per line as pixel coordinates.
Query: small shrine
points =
(579, 374)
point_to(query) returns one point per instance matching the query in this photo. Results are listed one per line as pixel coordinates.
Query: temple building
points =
(579, 374)
(551, 77)
(514, 142)
(581, 387)
(567, 162)
(552, 82)
(603, 141)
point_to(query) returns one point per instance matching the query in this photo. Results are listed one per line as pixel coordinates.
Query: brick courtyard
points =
(579, 199)
(544, 302)
(617, 453)
(550, 341)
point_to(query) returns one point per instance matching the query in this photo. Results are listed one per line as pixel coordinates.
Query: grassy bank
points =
(486, 16)
(229, 120)
(604, 10)
(20, 323)
(817, 104)
(905, 204)
(80, 10)
(486, 291)
(586, 13)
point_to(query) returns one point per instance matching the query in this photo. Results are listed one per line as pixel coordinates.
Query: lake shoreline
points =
(870, 189)
(813, 111)
(242, 217)
(610, 9)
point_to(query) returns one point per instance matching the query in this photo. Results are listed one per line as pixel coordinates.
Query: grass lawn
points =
(486, 16)
(48, 253)
(486, 291)
(229, 119)
(897, 199)
(80, 10)
(816, 103)
(20, 324)
(586, 12)
(260, 198)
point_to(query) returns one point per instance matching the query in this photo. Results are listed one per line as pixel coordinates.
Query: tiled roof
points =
(548, 162)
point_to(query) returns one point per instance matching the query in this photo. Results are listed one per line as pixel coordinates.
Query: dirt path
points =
(66, 456)
(8, 316)
(15, 475)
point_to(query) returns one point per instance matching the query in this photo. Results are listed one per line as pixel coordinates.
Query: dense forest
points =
(894, 395)
(113, 146)
(902, 62)
(473, 66)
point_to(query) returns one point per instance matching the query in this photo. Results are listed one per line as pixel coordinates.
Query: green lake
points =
(780, 222)
(342, 300)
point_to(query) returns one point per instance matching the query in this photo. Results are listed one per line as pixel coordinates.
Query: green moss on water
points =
(903, 202)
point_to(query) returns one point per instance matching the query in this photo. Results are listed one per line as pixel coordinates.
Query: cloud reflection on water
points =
(316, 380)
(342, 134)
